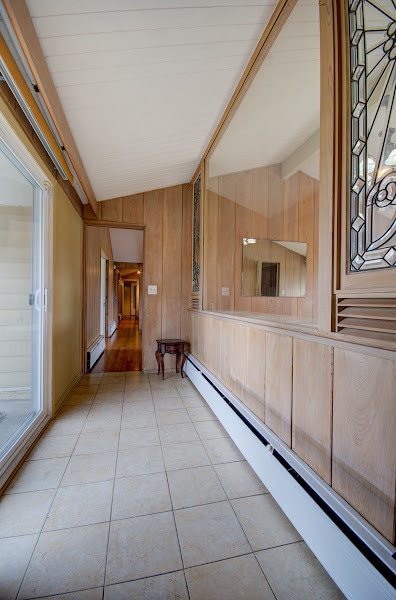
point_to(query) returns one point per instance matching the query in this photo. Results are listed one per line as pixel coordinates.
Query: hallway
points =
(135, 491)
(123, 350)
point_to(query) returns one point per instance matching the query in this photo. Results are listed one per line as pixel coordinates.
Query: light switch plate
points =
(152, 290)
(225, 291)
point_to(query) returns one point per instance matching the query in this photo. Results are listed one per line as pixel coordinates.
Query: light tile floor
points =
(136, 491)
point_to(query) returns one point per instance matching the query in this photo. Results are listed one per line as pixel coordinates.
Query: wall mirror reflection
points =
(274, 268)
(262, 181)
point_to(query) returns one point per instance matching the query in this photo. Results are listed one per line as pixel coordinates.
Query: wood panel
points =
(96, 240)
(364, 449)
(312, 405)
(254, 392)
(133, 209)
(225, 241)
(186, 258)
(172, 223)
(153, 247)
(243, 228)
(278, 385)
(306, 228)
(112, 210)
(238, 362)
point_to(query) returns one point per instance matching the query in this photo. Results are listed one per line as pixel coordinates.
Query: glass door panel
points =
(21, 300)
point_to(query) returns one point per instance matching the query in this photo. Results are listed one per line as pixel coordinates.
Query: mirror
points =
(274, 268)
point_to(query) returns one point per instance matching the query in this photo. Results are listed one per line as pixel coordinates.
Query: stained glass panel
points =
(372, 36)
(196, 234)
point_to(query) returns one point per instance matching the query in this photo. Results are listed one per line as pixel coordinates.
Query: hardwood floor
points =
(123, 350)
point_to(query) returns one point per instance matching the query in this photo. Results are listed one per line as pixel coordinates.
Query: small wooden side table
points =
(170, 347)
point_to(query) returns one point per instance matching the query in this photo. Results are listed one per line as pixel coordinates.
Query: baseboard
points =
(305, 506)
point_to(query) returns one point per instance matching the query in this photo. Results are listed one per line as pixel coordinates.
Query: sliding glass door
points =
(22, 302)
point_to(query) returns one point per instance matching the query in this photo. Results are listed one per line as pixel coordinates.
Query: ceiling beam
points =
(22, 24)
(303, 153)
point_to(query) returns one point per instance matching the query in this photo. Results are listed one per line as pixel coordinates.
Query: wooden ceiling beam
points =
(22, 24)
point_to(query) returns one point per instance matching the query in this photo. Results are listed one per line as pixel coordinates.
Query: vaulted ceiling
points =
(136, 88)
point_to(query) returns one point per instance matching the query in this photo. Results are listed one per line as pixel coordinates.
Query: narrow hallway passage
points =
(123, 350)
(135, 491)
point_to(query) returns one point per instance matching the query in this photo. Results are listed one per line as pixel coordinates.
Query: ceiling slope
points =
(143, 83)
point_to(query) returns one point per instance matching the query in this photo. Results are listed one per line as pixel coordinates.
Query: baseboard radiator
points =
(112, 328)
(360, 561)
(94, 351)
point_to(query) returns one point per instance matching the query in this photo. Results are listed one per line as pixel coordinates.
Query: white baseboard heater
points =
(94, 351)
(112, 328)
(360, 561)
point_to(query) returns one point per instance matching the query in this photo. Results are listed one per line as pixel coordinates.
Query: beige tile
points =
(137, 395)
(171, 586)
(210, 430)
(88, 468)
(294, 572)
(93, 442)
(67, 560)
(178, 432)
(24, 513)
(191, 487)
(168, 403)
(162, 384)
(208, 533)
(132, 418)
(114, 377)
(110, 388)
(185, 455)
(141, 495)
(222, 450)
(93, 594)
(137, 406)
(239, 577)
(87, 386)
(168, 417)
(66, 426)
(139, 437)
(53, 447)
(238, 479)
(80, 399)
(78, 505)
(106, 397)
(155, 549)
(202, 413)
(193, 401)
(166, 392)
(15, 554)
(103, 417)
(140, 461)
(91, 378)
(263, 522)
(43, 474)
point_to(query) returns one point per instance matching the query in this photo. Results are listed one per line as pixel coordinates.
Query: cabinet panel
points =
(312, 405)
(278, 385)
(364, 448)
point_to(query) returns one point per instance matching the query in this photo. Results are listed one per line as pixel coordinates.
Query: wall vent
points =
(194, 302)
(373, 318)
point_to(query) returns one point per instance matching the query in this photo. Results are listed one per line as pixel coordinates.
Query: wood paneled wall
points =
(97, 240)
(333, 405)
(258, 204)
(165, 216)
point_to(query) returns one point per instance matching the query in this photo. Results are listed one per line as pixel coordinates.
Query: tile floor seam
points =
(111, 505)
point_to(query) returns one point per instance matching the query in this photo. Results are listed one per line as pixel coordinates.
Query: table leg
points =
(157, 359)
(183, 360)
(177, 361)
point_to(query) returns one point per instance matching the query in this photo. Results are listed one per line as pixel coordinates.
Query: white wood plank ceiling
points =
(143, 83)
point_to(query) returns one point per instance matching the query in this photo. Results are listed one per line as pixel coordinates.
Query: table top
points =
(171, 341)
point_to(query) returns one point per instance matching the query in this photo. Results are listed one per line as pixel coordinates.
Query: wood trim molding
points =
(265, 43)
(22, 24)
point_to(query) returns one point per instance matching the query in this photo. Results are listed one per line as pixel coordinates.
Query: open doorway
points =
(114, 317)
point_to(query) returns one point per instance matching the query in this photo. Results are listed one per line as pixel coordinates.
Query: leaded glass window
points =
(196, 234)
(372, 30)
